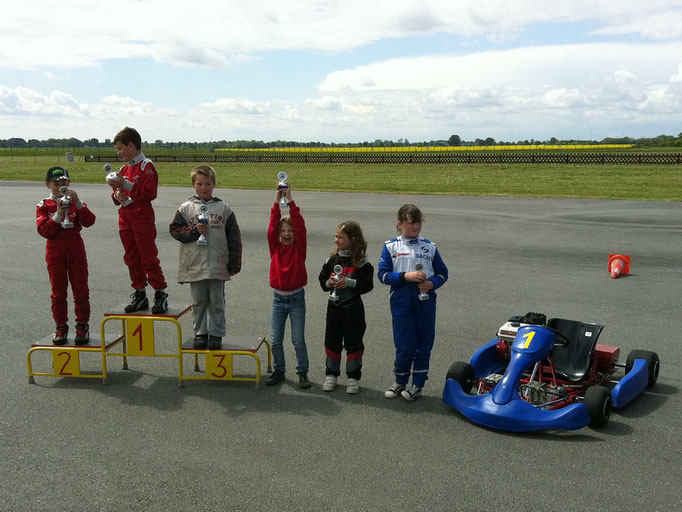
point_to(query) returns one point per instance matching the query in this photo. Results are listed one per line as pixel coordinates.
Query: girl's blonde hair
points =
(358, 250)
(408, 213)
(285, 220)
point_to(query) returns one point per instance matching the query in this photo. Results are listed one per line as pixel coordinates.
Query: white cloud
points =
(536, 91)
(75, 33)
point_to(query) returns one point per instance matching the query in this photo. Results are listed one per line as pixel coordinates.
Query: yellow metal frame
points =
(229, 367)
(68, 349)
(141, 320)
(141, 327)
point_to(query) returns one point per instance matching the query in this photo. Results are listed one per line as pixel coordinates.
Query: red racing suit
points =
(136, 224)
(65, 257)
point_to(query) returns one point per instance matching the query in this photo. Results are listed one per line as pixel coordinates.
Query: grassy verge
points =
(634, 182)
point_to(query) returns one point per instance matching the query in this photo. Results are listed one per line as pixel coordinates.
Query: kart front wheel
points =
(653, 363)
(463, 373)
(598, 402)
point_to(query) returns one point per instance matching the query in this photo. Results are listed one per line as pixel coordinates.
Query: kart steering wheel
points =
(561, 339)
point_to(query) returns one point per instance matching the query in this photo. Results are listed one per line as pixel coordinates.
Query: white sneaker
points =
(329, 383)
(394, 390)
(412, 394)
(353, 386)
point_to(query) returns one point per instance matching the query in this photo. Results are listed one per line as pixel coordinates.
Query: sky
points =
(341, 71)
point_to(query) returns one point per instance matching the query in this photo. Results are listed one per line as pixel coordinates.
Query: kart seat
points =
(573, 361)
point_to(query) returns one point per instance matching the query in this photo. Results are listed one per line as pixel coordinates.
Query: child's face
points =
(127, 151)
(203, 186)
(286, 234)
(54, 186)
(342, 241)
(409, 228)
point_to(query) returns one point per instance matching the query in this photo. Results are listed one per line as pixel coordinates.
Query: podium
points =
(138, 338)
(66, 360)
(220, 363)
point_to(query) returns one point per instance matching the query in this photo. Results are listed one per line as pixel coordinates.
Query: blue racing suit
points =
(414, 320)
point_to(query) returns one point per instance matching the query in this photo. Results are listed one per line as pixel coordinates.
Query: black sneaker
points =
(214, 343)
(200, 341)
(303, 381)
(160, 302)
(276, 377)
(60, 334)
(139, 302)
(82, 334)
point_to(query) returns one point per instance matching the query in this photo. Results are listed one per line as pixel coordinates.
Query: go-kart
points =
(538, 374)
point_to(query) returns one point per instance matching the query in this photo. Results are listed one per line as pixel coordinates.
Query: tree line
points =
(453, 140)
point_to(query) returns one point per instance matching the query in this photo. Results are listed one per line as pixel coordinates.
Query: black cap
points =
(57, 173)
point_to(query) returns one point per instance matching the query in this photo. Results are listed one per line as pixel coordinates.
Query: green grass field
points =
(633, 182)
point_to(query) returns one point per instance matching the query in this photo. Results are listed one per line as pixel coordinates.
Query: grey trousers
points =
(208, 307)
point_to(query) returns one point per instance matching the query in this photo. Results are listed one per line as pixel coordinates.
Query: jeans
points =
(292, 306)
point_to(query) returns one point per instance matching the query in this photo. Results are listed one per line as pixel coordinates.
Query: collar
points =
(344, 253)
(410, 241)
(139, 158)
(54, 197)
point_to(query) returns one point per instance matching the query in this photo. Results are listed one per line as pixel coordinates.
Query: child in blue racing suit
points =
(413, 268)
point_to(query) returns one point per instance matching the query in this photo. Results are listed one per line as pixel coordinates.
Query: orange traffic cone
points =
(619, 264)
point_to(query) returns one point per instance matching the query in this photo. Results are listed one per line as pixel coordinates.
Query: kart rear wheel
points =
(462, 373)
(653, 363)
(598, 402)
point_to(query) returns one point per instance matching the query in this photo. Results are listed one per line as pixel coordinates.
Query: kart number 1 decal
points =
(529, 337)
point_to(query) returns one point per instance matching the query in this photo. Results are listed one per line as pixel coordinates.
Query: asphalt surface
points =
(143, 443)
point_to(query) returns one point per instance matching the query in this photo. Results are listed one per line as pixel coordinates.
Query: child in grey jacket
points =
(211, 252)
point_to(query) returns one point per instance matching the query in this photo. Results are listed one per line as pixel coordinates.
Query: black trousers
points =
(345, 329)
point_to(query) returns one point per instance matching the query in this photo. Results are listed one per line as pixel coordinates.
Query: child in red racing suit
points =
(59, 218)
(137, 180)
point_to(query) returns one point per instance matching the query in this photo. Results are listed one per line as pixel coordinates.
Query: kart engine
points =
(507, 332)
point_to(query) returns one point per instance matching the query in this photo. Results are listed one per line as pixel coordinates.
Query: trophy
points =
(203, 219)
(422, 296)
(112, 175)
(282, 177)
(338, 272)
(66, 201)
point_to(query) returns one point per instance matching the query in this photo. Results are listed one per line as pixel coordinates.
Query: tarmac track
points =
(142, 443)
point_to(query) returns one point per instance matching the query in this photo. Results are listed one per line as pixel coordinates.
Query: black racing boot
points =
(160, 302)
(139, 302)
(60, 334)
(82, 334)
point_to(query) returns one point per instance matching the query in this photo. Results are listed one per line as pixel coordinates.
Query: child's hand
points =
(62, 208)
(120, 196)
(425, 286)
(73, 195)
(116, 182)
(416, 276)
(340, 284)
(202, 228)
(287, 193)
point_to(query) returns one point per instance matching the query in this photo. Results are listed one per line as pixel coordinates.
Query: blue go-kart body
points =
(537, 376)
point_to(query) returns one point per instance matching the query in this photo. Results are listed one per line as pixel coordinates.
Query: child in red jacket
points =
(287, 242)
(59, 218)
(134, 191)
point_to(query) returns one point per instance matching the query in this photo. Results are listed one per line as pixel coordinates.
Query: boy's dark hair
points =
(128, 135)
(358, 250)
(409, 213)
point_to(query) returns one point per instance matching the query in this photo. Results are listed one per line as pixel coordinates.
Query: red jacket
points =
(141, 173)
(287, 266)
(53, 231)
